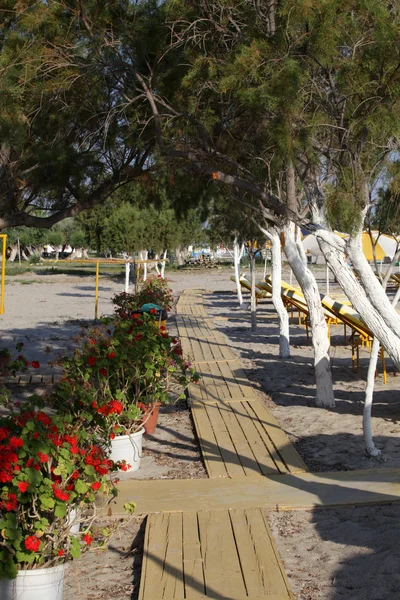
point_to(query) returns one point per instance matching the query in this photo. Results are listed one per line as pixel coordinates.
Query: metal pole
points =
(3, 273)
(127, 277)
(96, 301)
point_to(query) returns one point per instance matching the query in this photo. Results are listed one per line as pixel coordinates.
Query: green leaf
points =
(81, 487)
(47, 503)
(60, 511)
(75, 547)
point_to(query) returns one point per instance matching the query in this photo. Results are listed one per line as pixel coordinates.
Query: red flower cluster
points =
(9, 502)
(112, 407)
(60, 494)
(32, 543)
(97, 459)
(91, 361)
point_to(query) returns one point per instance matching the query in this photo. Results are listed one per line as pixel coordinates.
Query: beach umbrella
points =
(386, 245)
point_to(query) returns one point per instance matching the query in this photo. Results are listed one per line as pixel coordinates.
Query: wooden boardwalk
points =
(238, 436)
(224, 555)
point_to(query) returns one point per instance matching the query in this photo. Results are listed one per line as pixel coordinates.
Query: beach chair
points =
(361, 334)
(246, 285)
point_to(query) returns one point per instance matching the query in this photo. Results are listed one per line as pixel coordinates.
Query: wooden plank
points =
(261, 566)
(226, 447)
(244, 450)
(172, 585)
(277, 556)
(223, 379)
(162, 575)
(193, 572)
(259, 426)
(198, 393)
(255, 440)
(287, 451)
(213, 460)
(284, 492)
(222, 572)
(154, 556)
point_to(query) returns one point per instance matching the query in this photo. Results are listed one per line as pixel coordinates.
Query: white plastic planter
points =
(129, 448)
(39, 584)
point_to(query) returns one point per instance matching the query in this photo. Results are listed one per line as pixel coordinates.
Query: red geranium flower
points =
(103, 371)
(35, 364)
(88, 539)
(16, 442)
(23, 486)
(60, 494)
(61, 553)
(43, 457)
(111, 355)
(153, 311)
(96, 485)
(32, 543)
(91, 361)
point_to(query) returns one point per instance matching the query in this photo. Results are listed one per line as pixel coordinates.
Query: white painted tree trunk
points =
(237, 257)
(14, 253)
(127, 268)
(333, 249)
(276, 266)
(163, 263)
(374, 290)
(253, 306)
(143, 256)
(372, 450)
(157, 260)
(323, 376)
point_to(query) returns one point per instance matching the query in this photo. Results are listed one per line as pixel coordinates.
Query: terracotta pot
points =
(151, 417)
(4, 362)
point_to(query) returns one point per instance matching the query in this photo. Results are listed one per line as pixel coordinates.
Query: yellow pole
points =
(3, 272)
(96, 302)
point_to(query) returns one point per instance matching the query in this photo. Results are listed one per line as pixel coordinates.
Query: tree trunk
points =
(276, 266)
(163, 263)
(179, 257)
(253, 307)
(372, 450)
(237, 256)
(374, 290)
(333, 249)
(13, 253)
(324, 388)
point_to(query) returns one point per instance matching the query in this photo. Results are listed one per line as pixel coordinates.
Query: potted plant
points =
(49, 468)
(117, 376)
(154, 291)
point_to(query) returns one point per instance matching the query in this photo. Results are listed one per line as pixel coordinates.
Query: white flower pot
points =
(129, 448)
(39, 584)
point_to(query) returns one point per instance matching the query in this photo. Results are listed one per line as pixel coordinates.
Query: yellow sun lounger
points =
(246, 285)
